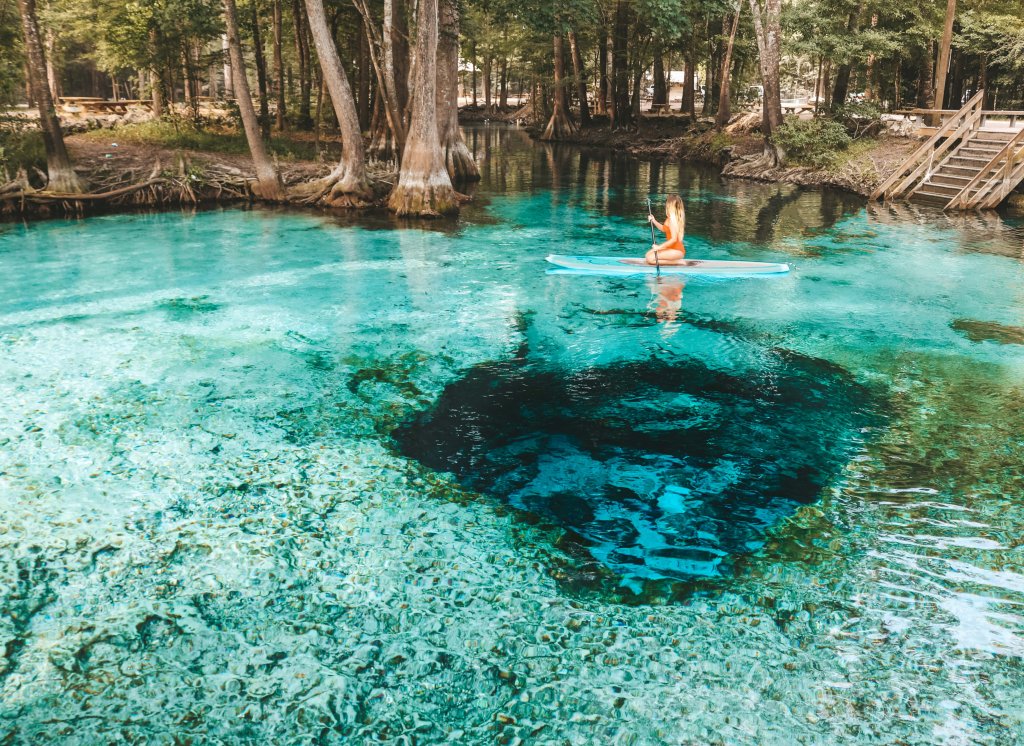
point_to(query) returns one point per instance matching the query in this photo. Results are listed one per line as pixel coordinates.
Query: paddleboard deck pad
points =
(611, 265)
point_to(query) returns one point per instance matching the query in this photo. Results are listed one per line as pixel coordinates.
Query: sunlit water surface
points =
(275, 477)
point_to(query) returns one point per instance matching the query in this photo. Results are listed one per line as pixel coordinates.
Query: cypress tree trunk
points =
(364, 82)
(261, 72)
(581, 79)
(472, 57)
(156, 82)
(52, 74)
(279, 67)
(424, 187)
(302, 52)
(62, 177)
(382, 55)
(660, 95)
(398, 33)
(157, 90)
(709, 74)
(602, 77)
(458, 160)
(396, 71)
(229, 87)
(347, 185)
(942, 66)
(842, 84)
(826, 85)
(620, 69)
(724, 104)
(560, 125)
(503, 85)
(268, 183)
(634, 100)
(687, 105)
(767, 29)
(487, 83)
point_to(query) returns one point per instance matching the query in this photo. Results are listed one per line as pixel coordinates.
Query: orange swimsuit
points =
(677, 243)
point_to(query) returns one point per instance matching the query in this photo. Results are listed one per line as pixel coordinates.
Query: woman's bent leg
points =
(666, 256)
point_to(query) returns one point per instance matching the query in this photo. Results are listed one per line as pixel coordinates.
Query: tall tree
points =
(261, 70)
(62, 177)
(347, 185)
(282, 110)
(388, 70)
(659, 93)
(458, 160)
(942, 66)
(768, 30)
(424, 187)
(268, 182)
(300, 26)
(842, 82)
(581, 79)
(724, 104)
(561, 125)
(621, 113)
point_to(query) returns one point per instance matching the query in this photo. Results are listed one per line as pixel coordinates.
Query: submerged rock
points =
(663, 470)
(990, 331)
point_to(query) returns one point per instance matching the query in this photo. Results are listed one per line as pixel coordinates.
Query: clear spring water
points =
(281, 478)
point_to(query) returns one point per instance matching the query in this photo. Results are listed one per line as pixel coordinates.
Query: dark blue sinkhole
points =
(665, 470)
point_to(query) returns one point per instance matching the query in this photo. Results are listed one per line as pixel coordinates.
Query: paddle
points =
(657, 261)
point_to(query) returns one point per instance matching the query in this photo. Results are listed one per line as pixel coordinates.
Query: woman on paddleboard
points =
(672, 250)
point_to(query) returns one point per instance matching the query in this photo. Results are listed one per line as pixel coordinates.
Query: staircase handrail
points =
(951, 124)
(970, 123)
(1013, 173)
(987, 175)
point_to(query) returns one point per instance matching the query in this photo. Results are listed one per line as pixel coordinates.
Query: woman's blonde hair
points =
(674, 208)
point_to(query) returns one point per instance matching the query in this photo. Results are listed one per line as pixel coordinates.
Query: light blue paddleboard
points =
(616, 265)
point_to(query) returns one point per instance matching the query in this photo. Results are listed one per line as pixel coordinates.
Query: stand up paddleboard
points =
(611, 265)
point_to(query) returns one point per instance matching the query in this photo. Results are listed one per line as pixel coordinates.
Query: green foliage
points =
(20, 147)
(10, 52)
(860, 118)
(813, 142)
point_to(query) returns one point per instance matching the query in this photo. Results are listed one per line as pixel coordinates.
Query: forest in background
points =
(355, 68)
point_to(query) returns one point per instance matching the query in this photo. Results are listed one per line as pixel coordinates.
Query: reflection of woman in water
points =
(667, 300)
(672, 250)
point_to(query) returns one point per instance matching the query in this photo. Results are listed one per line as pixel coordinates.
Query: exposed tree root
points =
(159, 189)
(560, 127)
(459, 162)
(424, 200)
(337, 189)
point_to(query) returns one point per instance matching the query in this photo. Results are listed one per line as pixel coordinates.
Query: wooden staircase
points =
(964, 165)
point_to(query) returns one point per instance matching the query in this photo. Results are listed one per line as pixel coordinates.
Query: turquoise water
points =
(277, 477)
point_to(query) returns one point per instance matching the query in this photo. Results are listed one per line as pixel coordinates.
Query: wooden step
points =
(969, 161)
(990, 144)
(924, 196)
(959, 182)
(1003, 136)
(942, 190)
(950, 169)
(974, 152)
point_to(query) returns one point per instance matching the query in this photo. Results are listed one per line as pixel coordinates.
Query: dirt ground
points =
(137, 161)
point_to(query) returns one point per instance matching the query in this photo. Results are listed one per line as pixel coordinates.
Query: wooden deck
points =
(972, 160)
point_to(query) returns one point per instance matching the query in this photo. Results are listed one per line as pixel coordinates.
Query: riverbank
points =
(139, 166)
(737, 150)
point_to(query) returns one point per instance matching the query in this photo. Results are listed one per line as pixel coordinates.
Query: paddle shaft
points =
(657, 261)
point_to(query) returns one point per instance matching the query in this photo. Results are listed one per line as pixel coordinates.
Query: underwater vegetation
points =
(662, 470)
